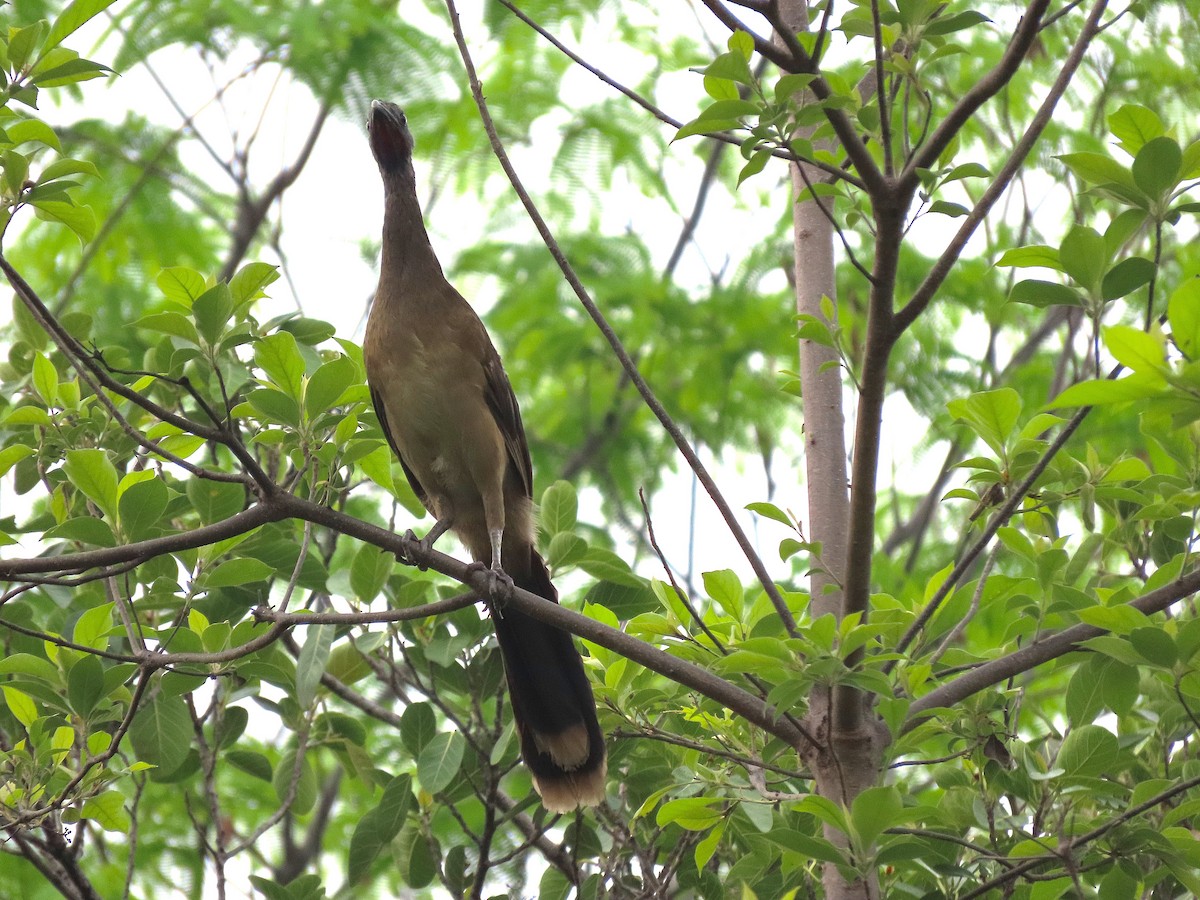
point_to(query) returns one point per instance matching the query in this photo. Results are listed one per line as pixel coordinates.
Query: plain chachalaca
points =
(449, 413)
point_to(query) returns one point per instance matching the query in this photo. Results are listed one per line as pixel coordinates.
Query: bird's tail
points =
(552, 701)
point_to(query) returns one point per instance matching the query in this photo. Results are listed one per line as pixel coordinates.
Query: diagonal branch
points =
(937, 274)
(741, 702)
(1033, 655)
(980, 92)
(247, 520)
(681, 441)
(253, 211)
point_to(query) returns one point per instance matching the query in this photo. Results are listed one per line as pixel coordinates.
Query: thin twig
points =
(683, 598)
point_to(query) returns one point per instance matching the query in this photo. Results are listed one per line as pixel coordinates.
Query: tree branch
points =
(940, 269)
(1033, 655)
(482, 583)
(983, 90)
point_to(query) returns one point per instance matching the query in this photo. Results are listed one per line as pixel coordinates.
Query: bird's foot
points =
(500, 584)
(423, 544)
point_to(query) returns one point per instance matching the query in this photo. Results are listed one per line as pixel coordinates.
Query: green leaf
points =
(250, 280)
(71, 71)
(1102, 391)
(232, 572)
(71, 19)
(275, 406)
(1126, 277)
(992, 415)
(85, 530)
(327, 384)
(875, 810)
(1096, 168)
(172, 323)
(250, 762)
(61, 168)
(141, 507)
(606, 565)
(756, 164)
(794, 841)
(708, 846)
(770, 511)
(79, 219)
(1083, 256)
(31, 130)
(91, 471)
(725, 587)
(559, 508)
(1143, 353)
(691, 813)
(279, 357)
(13, 454)
(1134, 126)
(23, 42)
(215, 500)
(1183, 312)
(379, 826)
(1118, 619)
(1087, 750)
(310, 665)
(1156, 167)
(440, 760)
(93, 626)
(45, 379)
(1155, 645)
(566, 549)
(162, 731)
(1041, 294)
(181, 284)
(108, 811)
(306, 784)
(1038, 255)
(968, 18)
(946, 208)
(370, 571)
(20, 705)
(1100, 682)
(85, 684)
(791, 84)
(212, 311)
(28, 664)
(418, 725)
(741, 42)
(732, 66)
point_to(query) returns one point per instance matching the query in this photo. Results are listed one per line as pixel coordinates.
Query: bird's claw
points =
(410, 535)
(500, 584)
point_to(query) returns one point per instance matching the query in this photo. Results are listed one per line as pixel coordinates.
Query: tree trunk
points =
(849, 762)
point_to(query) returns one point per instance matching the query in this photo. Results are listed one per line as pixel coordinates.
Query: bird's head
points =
(391, 141)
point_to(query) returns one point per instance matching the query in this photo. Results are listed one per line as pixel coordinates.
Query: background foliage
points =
(183, 465)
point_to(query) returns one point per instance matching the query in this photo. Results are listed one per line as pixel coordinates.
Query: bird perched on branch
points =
(449, 413)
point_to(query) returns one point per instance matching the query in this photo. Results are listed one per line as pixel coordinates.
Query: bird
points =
(448, 411)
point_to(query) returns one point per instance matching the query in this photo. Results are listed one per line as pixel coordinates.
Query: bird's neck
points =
(407, 255)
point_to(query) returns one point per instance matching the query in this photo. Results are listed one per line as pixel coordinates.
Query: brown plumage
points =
(451, 417)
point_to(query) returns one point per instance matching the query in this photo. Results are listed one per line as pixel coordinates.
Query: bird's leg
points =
(497, 537)
(501, 583)
(440, 527)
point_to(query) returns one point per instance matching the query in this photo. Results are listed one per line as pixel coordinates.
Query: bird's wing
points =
(381, 414)
(503, 403)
